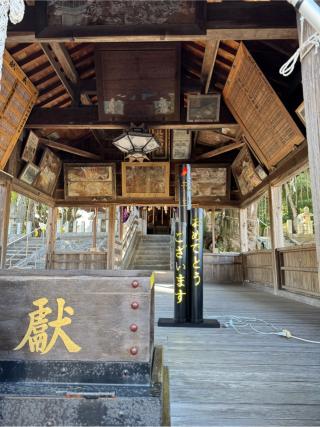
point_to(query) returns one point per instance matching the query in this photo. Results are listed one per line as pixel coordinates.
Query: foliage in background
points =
(296, 195)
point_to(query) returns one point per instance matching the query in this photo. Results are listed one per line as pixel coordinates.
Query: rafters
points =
(221, 150)
(57, 68)
(68, 149)
(208, 63)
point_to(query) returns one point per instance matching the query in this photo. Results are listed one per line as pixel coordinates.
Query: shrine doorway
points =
(159, 220)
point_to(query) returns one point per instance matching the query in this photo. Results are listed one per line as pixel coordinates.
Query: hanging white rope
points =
(305, 48)
(13, 10)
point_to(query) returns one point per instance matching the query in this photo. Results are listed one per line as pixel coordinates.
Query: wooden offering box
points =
(78, 334)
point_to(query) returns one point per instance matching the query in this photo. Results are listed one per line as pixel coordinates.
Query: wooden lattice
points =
(269, 128)
(17, 97)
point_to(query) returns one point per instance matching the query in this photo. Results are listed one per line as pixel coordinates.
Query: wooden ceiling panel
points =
(267, 125)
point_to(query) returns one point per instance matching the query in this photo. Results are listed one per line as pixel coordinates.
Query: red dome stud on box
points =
(135, 284)
(133, 327)
(133, 351)
(134, 305)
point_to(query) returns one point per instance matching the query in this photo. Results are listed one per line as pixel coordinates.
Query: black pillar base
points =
(206, 323)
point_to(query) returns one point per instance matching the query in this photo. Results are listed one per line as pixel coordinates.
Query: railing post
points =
(275, 209)
(51, 235)
(5, 198)
(111, 236)
(243, 219)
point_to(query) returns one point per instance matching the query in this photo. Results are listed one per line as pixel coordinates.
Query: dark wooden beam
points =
(125, 201)
(87, 118)
(208, 62)
(216, 152)
(290, 165)
(68, 149)
(57, 68)
(250, 20)
(65, 61)
(227, 20)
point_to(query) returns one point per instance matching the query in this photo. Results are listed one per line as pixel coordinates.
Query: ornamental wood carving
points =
(270, 130)
(17, 97)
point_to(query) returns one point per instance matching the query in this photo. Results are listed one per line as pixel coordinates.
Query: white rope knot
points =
(312, 42)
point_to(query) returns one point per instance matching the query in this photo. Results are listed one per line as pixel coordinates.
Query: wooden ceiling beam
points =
(68, 149)
(236, 20)
(221, 150)
(208, 63)
(65, 61)
(87, 118)
(57, 68)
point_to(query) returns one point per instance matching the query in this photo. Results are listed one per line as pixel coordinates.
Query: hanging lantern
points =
(136, 143)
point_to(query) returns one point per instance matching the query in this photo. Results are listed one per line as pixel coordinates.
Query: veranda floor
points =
(221, 378)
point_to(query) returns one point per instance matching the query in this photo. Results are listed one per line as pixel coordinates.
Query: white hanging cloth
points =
(13, 10)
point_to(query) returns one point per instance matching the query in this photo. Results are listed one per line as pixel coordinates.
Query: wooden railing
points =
(295, 268)
(126, 247)
(222, 268)
(298, 270)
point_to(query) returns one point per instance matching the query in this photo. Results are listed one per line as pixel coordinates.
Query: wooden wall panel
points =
(17, 97)
(222, 268)
(299, 272)
(258, 267)
(268, 127)
(138, 82)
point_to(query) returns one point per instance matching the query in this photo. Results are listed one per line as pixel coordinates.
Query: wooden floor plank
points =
(218, 377)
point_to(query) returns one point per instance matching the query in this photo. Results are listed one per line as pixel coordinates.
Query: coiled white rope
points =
(247, 325)
(305, 48)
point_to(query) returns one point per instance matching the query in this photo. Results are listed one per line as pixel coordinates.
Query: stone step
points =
(151, 267)
(156, 237)
(148, 264)
(148, 254)
(156, 244)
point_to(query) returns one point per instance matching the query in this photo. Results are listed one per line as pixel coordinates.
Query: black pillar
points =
(196, 265)
(188, 261)
(181, 288)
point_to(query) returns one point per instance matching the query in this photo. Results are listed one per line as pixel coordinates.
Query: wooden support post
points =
(310, 67)
(121, 223)
(51, 235)
(243, 221)
(5, 199)
(213, 232)
(111, 236)
(276, 234)
(94, 229)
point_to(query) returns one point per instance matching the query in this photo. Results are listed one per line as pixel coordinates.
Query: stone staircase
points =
(19, 256)
(152, 253)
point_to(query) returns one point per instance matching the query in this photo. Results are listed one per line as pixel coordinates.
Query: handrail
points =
(131, 229)
(25, 249)
(24, 236)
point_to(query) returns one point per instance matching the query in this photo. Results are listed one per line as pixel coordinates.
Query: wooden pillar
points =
(310, 69)
(213, 232)
(120, 223)
(51, 235)
(94, 229)
(243, 221)
(276, 225)
(5, 199)
(276, 232)
(111, 237)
